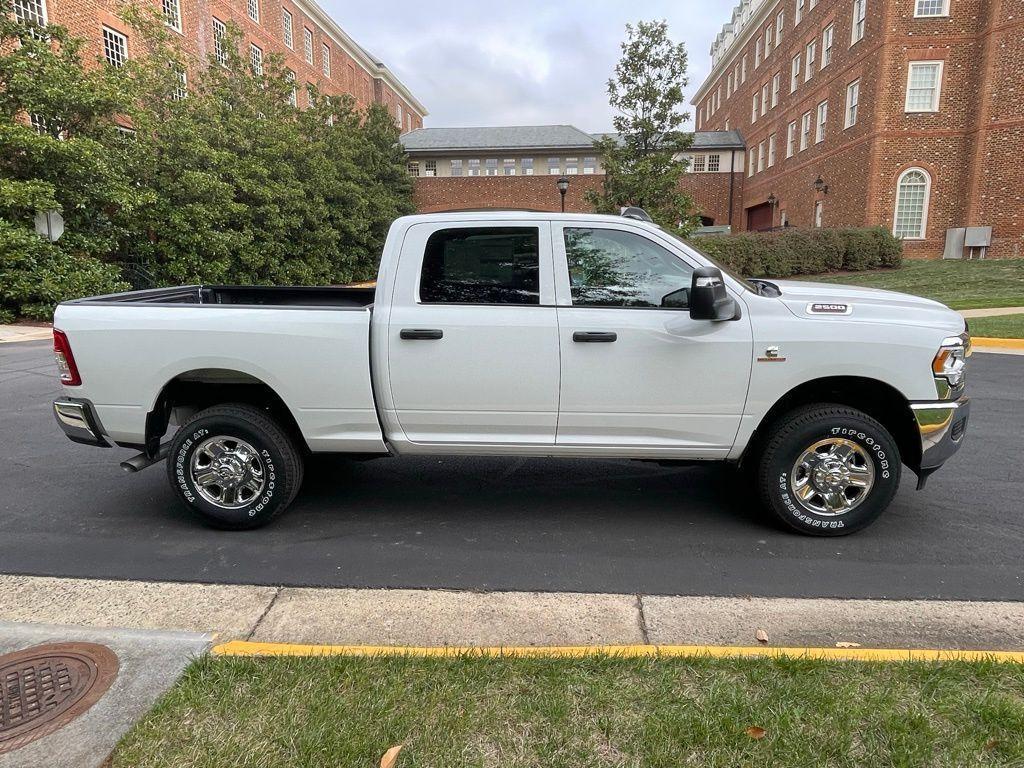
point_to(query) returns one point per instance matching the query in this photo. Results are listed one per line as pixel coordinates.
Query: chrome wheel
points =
(832, 477)
(227, 472)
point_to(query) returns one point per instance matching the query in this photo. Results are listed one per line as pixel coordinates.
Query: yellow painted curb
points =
(982, 341)
(245, 648)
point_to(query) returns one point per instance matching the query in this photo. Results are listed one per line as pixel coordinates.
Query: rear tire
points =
(828, 470)
(234, 467)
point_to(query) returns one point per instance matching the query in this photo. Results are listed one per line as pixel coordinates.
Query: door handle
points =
(594, 337)
(421, 334)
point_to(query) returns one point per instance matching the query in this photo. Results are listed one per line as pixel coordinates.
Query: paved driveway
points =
(489, 524)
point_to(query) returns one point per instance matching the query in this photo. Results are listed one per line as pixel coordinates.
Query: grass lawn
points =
(346, 712)
(959, 284)
(1003, 327)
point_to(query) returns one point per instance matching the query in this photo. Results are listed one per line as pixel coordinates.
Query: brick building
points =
(517, 166)
(908, 113)
(314, 47)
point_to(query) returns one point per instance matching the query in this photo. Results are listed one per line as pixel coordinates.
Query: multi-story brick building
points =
(517, 166)
(315, 49)
(903, 113)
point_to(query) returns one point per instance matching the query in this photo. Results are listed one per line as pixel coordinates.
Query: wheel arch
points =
(879, 400)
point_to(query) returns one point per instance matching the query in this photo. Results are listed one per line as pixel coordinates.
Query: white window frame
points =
(799, 11)
(819, 213)
(526, 165)
(714, 163)
(753, 107)
(791, 131)
(761, 157)
(743, 78)
(293, 97)
(455, 167)
(776, 87)
(181, 86)
(944, 10)
(780, 23)
(325, 59)
(307, 44)
(821, 122)
(828, 36)
(429, 168)
(589, 165)
(852, 104)
(473, 167)
(764, 99)
(805, 130)
(252, 8)
(287, 28)
(771, 151)
(113, 36)
(413, 168)
(698, 164)
(811, 54)
(172, 14)
(860, 15)
(757, 53)
(554, 166)
(936, 96)
(794, 73)
(25, 12)
(256, 59)
(923, 231)
(767, 40)
(220, 33)
(752, 163)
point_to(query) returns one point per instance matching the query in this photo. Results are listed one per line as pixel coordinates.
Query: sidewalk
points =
(14, 333)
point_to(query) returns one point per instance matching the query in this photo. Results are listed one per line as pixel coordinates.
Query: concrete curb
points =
(10, 334)
(983, 343)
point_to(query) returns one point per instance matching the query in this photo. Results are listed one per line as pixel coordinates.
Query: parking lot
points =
(512, 524)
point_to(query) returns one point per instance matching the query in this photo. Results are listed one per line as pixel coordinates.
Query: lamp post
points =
(773, 201)
(820, 185)
(563, 187)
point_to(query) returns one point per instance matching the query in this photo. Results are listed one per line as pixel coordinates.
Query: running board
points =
(141, 461)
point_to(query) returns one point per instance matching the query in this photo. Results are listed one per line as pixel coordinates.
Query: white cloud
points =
(523, 62)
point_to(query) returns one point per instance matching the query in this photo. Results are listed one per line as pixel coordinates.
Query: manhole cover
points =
(46, 687)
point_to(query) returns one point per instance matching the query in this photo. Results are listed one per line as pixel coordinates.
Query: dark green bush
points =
(804, 252)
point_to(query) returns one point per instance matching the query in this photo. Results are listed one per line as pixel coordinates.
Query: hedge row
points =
(803, 252)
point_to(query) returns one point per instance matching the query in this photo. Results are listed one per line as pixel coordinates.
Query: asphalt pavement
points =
(513, 524)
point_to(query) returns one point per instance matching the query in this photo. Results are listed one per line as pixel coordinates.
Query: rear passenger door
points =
(472, 335)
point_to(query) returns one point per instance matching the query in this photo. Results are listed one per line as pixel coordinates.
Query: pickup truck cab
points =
(523, 334)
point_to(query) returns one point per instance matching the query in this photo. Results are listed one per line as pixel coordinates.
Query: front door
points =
(638, 375)
(472, 336)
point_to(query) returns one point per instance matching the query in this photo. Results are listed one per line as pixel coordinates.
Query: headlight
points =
(949, 364)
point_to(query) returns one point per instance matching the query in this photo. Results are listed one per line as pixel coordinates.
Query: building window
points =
(474, 167)
(819, 133)
(805, 131)
(714, 163)
(771, 150)
(30, 11)
(307, 44)
(253, 6)
(256, 59)
(491, 166)
(699, 163)
(780, 22)
(924, 82)
(413, 168)
(508, 167)
(180, 83)
(791, 139)
(764, 99)
(743, 70)
(430, 168)
(860, 13)
(554, 166)
(589, 166)
(799, 10)
(912, 192)
(767, 40)
(852, 100)
(760, 157)
(115, 47)
(293, 95)
(826, 45)
(753, 108)
(172, 14)
(736, 78)
(38, 123)
(527, 166)
(752, 163)
(757, 53)
(456, 168)
(325, 61)
(794, 74)
(572, 166)
(286, 27)
(220, 32)
(812, 54)
(931, 8)
(819, 210)
(776, 85)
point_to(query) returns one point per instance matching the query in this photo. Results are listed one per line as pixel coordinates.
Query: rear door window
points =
(482, 265)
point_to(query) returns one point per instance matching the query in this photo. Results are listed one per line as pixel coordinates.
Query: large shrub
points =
(804, 252)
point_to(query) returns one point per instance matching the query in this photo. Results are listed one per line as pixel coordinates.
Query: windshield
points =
(738, 278)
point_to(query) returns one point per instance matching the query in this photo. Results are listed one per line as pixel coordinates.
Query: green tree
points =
(642, 161)
(60, 150)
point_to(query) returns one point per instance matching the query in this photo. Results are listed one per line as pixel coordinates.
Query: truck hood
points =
(849, 302)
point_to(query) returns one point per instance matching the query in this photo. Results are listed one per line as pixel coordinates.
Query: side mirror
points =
(708, 298)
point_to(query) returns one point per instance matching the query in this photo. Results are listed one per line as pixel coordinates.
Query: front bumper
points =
(943, 426)
(79, 421)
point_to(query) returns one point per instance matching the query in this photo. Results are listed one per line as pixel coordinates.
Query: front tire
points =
(828, 470)
(234, 467)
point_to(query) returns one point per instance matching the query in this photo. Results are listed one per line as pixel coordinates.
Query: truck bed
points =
(245, 295)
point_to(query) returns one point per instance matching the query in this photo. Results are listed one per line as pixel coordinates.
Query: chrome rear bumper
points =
(79, 422)
(943, 426)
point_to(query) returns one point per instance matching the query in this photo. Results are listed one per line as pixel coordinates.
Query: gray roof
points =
(718, 140)
(506, 137)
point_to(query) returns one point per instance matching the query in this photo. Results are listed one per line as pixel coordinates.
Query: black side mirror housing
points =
(708, 298)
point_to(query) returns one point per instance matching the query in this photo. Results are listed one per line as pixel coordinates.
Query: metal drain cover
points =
(44, 688)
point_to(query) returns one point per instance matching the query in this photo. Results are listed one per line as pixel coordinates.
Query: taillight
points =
(65, 360)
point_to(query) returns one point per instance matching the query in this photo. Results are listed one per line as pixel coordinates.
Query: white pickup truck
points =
(523, 334)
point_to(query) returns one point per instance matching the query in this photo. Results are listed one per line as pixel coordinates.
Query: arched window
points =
(912, 192)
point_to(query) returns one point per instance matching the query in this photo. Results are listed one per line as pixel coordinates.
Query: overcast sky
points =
(519, 62)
